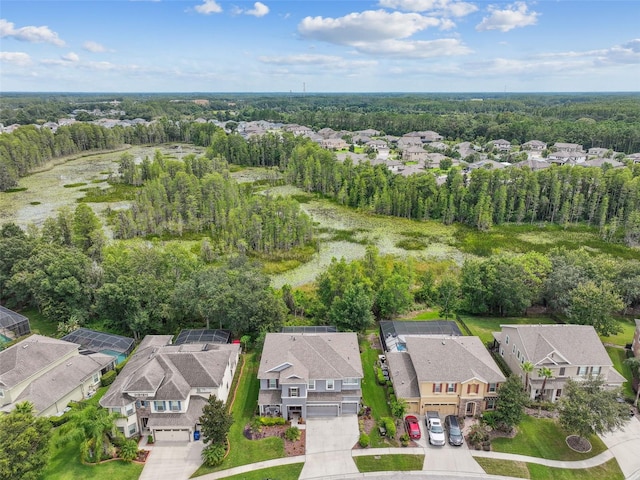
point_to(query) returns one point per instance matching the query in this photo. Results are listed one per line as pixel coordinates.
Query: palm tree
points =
(94, 427)
(25, 407)
(634, 364)
(546, 373)
(527, 368)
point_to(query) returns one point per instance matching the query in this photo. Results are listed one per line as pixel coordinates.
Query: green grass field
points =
(618, 356)
(544, 438)
(282, 472)
(244, 451)
(628, 327)
(373, 395)
(39, 324)
(389, 463)
(607, 471)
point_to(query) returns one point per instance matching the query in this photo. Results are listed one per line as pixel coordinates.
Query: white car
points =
(435, 429)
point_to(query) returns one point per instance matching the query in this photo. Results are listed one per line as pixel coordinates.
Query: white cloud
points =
(20, 59)
(439, 7)
(443, 47)
(514, 16)
(371, 26)
(94, 47)
(71, 57)
(259, 10)
(29, 34)
(208, 7)
(627, 53)
(326, 61)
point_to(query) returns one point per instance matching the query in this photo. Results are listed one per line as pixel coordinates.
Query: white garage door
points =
(322, 410)
(167, 435)
(349, 408)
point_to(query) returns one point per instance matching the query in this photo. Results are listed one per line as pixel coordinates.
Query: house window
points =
(272, 383)
(582, 371)
(558, 393)
(518, 354)
(595, 371)
(502, 352)
(561, 374)
(1, 393)
(473, 388)
(129, 410)
(493, 387)
(491, 403)
(451, 388)
(330, 385)
(117, 410)
(294, 392)
(174, 405)
(311, 385)
(437, 387)
(159, 406)
(506, 340)
(96, 377)
(513, 350)
(120, 429)
(133, 428)
(350, 381)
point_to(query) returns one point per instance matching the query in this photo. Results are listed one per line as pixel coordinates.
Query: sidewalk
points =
(577, 464)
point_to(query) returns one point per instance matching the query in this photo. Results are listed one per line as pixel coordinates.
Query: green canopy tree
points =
(448, 292)
(593, 304)
(353, 311)
(215, 421)
(586, 408)
(24, 443)
(511, 402)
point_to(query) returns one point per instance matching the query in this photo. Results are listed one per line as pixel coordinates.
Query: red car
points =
(413, 427)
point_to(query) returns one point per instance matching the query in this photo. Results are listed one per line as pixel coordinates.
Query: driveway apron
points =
(625, 446)
(172, 461)
(329, 444)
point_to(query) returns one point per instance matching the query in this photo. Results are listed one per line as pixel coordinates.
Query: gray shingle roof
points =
(452, 359)
(324, 356)
(184, 420)
(170, 371)
(577, 344)
(403, 374)
(31, 355)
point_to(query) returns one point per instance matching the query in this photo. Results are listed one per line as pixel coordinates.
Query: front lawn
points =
(544, 438)
(618, 356)
(244, 451)
(282, 472)
(389, 463)
(607, 471)
(483, 327)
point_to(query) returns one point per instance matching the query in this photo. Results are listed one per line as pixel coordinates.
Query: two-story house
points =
(49, 373)
(310, 375)
(534, 145)
(501, 145)
(163, 387)
(453, 375)
(568, 351)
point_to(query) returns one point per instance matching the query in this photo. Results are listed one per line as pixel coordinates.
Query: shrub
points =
(389, 425)
(213, 454)
(270, 421)
(150, 439)
(490, 419)
(57, 421)
(478, 434)
(108, 378)
(129, 450)
(380, 376)
(364, 440)
(121, 365)
(292, 434)
(404, 439)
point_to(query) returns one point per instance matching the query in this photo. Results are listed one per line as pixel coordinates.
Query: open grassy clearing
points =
(283, 472)
(544, 438)
(39, 324)
(243, 451)
(389, 463)
(607, 471)
(618, 356)
(373, 395)
(484, 326)
(627, 326)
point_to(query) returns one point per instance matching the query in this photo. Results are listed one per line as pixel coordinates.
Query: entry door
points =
(470, 409)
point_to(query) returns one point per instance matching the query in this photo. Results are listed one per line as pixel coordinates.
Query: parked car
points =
(434, 427)
(454, 431)
(413, 427)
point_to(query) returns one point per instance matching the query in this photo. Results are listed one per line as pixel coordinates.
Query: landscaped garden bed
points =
(292, 446)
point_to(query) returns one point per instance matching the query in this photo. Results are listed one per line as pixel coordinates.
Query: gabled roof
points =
(312, 356)
(169, 372)
(557, 344)
(29, 356)
(449, 359)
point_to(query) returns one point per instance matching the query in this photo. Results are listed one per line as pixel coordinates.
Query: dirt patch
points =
(578, 444)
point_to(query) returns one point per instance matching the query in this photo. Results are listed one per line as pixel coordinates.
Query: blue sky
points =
(320, 45)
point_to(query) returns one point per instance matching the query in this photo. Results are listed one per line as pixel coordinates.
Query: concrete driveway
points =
(625, 446)
(172, 460)
(329, 444)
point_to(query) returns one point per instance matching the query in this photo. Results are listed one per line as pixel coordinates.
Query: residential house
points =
(310, 375)
(439, 146)
(427, 136)
(333, 144)
(569, 351)
(377, 145)
(297, 130)
(600, 162)
(501, 145)
(369, 132)
(567, 147)
(453, 375)
(49, 373)
(635, 346)
(567, 157)
(534, 145)
(533, 163)
(163, 387)
(406, 142)
(414, 153)
(433, 160)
